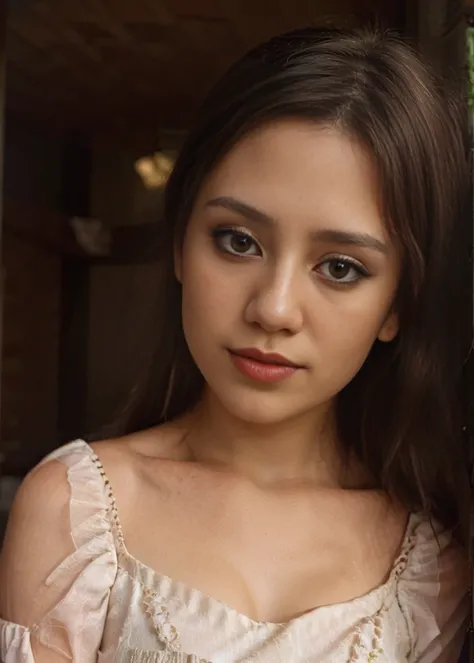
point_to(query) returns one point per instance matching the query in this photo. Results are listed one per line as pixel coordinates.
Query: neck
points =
(298, 451)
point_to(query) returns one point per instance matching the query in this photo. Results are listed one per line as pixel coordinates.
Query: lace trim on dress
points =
(115, 520)
(368, 637)
(145, 656)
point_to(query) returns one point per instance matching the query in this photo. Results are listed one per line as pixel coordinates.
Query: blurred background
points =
(96, 99)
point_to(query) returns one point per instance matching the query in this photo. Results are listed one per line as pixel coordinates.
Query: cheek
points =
(209, 293)
(340, 351)
(350, 323)
(364, 308)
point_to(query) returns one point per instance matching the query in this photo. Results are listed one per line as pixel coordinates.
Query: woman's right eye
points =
(236, 242)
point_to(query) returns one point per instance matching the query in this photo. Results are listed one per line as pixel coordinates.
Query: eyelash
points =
(218, 234)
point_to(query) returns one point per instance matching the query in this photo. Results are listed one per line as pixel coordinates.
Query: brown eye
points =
(235, 242)
(240, 243)
(342, 271)
(338, 269)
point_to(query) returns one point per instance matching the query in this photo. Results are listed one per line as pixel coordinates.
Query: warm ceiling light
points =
(154, 170)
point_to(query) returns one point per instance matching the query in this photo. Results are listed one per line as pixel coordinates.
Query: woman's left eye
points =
(342, 270)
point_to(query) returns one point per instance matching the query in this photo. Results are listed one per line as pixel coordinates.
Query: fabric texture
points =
(113, 608)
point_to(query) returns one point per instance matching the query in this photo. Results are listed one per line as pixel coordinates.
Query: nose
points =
(275, 304)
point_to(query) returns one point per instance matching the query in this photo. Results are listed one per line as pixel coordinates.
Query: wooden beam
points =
(3, 28)
(74, 338)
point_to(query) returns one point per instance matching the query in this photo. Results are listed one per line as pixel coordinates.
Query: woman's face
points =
(286, 252)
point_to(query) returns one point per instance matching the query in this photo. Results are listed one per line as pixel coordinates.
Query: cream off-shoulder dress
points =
(114, 609)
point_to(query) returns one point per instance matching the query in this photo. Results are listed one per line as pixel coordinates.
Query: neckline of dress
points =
(381, 590)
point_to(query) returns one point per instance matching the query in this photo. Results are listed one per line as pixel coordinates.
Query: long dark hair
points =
(399, 413)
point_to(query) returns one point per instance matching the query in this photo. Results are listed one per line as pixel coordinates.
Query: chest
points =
(203, 631)
(270, 557)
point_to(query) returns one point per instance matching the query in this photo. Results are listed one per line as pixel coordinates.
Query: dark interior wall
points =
(32, 164)
(121, 311)
(31, 313)
(72, 332)
(122, 296)
(31, 306)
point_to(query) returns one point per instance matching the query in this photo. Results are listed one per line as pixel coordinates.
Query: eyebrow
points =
(347, 238)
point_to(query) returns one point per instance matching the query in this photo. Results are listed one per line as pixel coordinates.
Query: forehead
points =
(299, 170)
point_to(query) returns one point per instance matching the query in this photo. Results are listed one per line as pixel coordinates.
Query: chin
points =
(261, 409)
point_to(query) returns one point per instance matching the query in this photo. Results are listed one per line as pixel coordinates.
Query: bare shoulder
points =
(42, 497)
(37, 539)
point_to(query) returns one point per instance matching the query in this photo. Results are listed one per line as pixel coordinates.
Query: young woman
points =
(294, 489)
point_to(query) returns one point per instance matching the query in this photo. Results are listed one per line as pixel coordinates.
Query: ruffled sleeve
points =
(433, 594)
(75, 596)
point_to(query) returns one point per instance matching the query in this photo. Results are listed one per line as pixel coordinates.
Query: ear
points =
(177, 256)
(390, 328)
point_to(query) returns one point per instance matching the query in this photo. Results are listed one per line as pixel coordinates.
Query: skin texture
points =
(245, 498)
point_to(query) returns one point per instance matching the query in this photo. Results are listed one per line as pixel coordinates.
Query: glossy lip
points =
(263, 366)
(262, 371)
(269, 358)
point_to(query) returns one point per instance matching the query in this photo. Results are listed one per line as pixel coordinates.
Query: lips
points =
(270, 358)
(263, 366)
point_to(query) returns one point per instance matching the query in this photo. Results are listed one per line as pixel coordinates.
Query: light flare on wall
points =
(154, 170)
